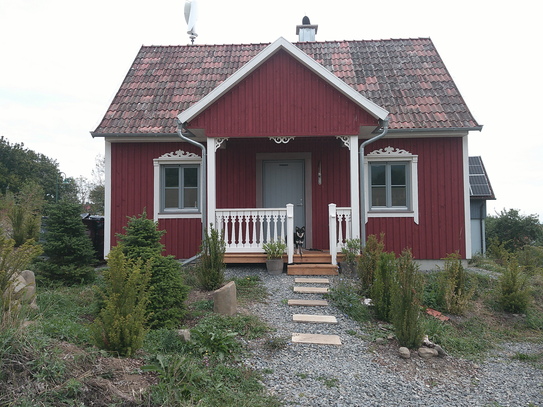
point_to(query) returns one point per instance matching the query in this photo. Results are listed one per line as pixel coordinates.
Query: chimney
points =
(306, 32)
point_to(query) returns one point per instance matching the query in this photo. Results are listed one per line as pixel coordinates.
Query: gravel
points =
(361, 372)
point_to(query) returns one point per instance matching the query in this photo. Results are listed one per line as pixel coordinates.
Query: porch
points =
(246, 230)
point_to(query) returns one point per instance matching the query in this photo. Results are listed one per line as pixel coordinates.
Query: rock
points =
(23, 289)
(184, 334)
(404, 353)
(427, 353)
(440, 352)
(225, 299)
(380, 341)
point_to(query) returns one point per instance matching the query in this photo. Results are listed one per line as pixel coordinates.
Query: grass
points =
(57, 364)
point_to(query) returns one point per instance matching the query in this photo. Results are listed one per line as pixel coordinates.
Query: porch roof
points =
(405, 77)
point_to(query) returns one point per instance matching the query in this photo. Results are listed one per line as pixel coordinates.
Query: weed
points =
(514, 294)
(302, 375)
(345, 296)
(250, 289)
(329, 381)
(455, 294)
(275, 343)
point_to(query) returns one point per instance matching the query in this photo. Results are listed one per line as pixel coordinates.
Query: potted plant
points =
(351, 251)
(274, 252)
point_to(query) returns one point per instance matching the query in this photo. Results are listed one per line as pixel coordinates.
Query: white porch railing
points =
(246, 230)
(340, 229)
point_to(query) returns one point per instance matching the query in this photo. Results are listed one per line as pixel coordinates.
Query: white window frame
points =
(391, 155)
(182, 158)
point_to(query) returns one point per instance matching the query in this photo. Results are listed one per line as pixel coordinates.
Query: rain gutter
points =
(362, 179)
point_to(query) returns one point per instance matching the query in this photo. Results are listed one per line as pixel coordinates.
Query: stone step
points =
(312, 270)
(311, 290)
(316, 319)
(309, 303)
(317, 339)
(312, 280)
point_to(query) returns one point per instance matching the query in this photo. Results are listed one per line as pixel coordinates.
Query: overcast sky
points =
(62, 61)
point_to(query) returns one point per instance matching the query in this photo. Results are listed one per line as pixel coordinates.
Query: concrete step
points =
(316, 339)
(315, 319)
(308, 303)
(312, 270)
(311, 290)
(312, 280)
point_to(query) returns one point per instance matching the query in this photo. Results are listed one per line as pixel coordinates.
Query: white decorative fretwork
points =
(390, 151)
(283, 140)
(179, 155)
(346, 141)
(219, 141)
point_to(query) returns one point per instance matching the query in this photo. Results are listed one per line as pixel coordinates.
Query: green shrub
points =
(210, 270)
(167, 291)
(68, 249)
(367, 263)
(514, 294)
(381, 290)
(406, 301)
(345, 296)
(120, 326)
(531, 259)
(351, 250)
(454, 285)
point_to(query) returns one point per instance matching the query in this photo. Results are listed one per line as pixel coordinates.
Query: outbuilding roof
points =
(405, 77)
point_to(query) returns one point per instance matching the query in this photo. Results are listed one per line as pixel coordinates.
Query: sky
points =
(62, 61)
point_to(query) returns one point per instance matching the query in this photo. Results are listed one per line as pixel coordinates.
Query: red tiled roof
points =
(406, 77)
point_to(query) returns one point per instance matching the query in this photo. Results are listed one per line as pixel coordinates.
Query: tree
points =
(513, 230)
(68, 249)
(167, 291)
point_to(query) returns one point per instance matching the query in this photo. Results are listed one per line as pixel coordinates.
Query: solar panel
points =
(479, 185)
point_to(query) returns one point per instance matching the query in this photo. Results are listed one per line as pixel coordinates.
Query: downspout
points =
(182, 131)
(362, 179)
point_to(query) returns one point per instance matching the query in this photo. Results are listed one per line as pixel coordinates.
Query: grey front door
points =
(283, 183)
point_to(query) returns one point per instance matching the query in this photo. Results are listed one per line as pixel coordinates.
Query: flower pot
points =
(274, 266)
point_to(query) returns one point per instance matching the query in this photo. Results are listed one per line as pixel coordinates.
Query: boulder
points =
(22, 289)
(225, 299)
(427, 353)
(184, 334)
(404, 353)
(440, 352)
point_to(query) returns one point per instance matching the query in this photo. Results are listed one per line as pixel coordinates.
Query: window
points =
(180, 188)
(391, 178)
(389, 188)
(177, 186)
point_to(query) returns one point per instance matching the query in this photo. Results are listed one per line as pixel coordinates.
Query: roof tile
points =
(406, 77)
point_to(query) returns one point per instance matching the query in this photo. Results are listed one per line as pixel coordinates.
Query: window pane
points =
(378, 175)
(397, 174)
(399, 196)
(171, 198)
(191, 177)
(378, 196)
(190, 199)
(171, 177)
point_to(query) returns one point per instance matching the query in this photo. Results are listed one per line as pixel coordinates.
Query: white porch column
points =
(211, 182)
(355, 185)
(332, 229)
(290, 233)
(107, 199)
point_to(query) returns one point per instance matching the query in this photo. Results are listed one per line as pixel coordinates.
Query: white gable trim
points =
(281, 43)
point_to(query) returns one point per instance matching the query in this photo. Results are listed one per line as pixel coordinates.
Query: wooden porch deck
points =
(311, 262)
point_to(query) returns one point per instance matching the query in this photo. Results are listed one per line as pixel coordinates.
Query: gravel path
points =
(363, 373)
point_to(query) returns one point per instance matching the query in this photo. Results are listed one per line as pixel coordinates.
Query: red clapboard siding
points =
(441, 228)
(282, 98)
(132, 193)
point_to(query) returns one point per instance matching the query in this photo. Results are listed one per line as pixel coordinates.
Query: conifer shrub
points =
(454, 287)
(367, 263)
(514, 295)
(381, 290)
(210, 270)
(68, 249)
(406, 302)
(120, 326)
(167, 291)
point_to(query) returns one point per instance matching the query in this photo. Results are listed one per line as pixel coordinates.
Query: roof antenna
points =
(191, 15)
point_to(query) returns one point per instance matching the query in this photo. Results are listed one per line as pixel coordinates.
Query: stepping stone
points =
(316, 339)
(309, 303)
(317, 319)
(311, 290)
(312, 280)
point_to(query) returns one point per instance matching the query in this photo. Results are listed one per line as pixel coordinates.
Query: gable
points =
(283, 97)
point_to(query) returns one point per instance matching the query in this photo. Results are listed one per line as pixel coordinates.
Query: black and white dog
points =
(299, 239)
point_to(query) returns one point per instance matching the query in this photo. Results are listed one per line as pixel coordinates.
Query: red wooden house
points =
(346, 138)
